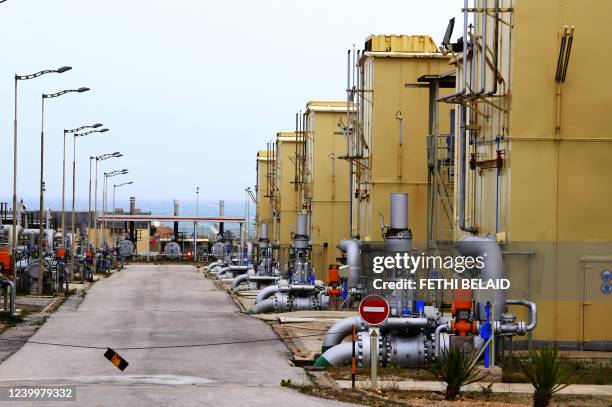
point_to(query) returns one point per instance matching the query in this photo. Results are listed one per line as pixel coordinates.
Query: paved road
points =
(158, 306)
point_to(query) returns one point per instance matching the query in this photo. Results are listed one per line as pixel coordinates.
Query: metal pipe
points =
(12, 294)
(351, 247)
(399, 211)
(263, 306)
(266, 292)
(302, 224)
(462, 170)
(493, 91)
(249, 247)
(437, 333)
(239, 280)
(339, 355)
(404, 323)
(341, 330)
(348, 144)
(533, 312)
(483, 53)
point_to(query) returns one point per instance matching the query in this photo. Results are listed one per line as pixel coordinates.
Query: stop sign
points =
(374, 309)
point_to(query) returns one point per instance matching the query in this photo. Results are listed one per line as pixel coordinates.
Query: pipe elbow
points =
(533, 312)
(351, 247)
(339, 331)
(238, 280)
(263, 307)
(437, 334)
(339, 355)
(266, 292)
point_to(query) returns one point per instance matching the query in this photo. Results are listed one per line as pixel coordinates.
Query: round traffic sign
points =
(374, 309)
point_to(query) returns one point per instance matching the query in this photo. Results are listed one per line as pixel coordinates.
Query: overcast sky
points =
(190, 89)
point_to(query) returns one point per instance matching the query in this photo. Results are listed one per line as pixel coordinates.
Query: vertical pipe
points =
(348, 144)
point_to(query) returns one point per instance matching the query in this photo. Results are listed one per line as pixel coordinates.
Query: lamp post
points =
(94, 126)
(108, 175)
(73, 227)
(41, 249)
(115, 186)
(15, 212)
(195, 226)
(101, 157)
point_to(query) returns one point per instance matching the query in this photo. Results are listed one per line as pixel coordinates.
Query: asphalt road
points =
(146, 306)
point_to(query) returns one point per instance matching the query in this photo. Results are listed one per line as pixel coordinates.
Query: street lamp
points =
(195, 226)
(17, 79)
(94, 126)
(108, 175)
(73, 228)
(41, 251)
(101, 157)
(115, 186)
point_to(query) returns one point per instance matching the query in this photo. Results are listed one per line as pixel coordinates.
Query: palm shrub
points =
(456, 368)
(547, 372)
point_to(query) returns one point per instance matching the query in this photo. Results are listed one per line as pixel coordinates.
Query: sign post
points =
(374, 310)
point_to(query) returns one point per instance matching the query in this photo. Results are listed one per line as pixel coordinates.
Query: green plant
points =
(547, 372)
(456, 368)
(285, 383)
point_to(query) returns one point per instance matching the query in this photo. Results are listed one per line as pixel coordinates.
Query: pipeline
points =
(533, 312)
(12, 294)
(409, 340)
(351, 247)
(228, 272)
(249, 247)
(238, 280)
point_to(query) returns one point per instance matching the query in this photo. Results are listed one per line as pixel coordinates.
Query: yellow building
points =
(535, 161)
(325, 178)
(388, 146)
(263, 188)
(284, 200)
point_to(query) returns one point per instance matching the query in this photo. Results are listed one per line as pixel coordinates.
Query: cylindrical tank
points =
(399, 210)
(263, 231)
(302, 224)
(172, 250)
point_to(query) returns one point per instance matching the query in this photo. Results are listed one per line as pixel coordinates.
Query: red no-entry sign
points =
(374, 309)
